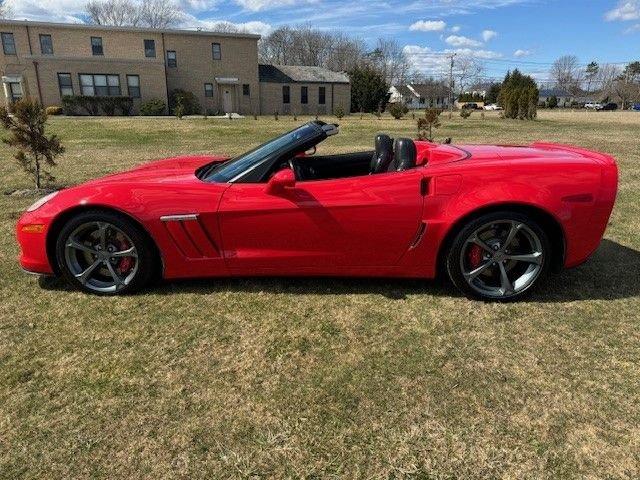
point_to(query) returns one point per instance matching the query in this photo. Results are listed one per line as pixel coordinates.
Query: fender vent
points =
(190, 236)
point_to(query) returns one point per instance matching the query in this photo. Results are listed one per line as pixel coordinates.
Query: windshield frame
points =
(254, 171)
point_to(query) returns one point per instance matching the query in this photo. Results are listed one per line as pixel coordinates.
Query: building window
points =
(172, 60)
(96, 46)
(208, 89)
(304, 95)
(46, 44)
(150, 48)
(246, 89)
(100, 85)
(216, 51)
(133, 86)
(15, 91)
(8, 44)
(322, 95)
(64, 82)
(286, 94)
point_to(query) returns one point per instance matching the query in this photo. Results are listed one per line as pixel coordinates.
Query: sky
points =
(505, 34)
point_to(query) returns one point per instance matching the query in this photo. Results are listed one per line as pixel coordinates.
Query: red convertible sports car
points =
(495, 219)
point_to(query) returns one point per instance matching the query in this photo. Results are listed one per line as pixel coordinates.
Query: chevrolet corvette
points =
(494, 219)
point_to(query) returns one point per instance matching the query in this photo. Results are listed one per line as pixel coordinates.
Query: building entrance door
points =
(227, 99)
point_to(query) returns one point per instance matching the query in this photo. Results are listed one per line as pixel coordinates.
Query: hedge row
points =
(79, 104)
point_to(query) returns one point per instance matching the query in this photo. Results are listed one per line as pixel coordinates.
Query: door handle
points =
(424, 186)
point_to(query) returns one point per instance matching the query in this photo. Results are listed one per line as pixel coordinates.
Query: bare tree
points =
(113, 12)
(606, 78)
(467, 71)
(566, 73)
(160, 13)
(389, 58)
(308, 46)
(5, 9)
(149, 13)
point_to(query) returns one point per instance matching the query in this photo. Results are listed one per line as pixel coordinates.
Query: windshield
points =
(229, 170)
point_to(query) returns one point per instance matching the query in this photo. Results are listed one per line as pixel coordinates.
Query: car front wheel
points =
(104, 253)
(499, 256)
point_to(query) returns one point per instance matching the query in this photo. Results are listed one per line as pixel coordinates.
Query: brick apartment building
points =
(47, 61)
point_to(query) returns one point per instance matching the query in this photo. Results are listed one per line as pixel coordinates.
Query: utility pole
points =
(451, 85)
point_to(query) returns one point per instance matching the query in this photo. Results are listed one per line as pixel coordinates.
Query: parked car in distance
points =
(492, 106)
(636, 107)
(470, 106)
(609, 106)
(593, 106)
(494, 218)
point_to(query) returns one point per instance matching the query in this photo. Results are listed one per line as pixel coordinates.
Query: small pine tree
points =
(339, 112)
(27, 134)
(426, 124)
(465, 113)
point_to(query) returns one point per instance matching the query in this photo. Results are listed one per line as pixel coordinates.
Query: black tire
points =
(498, 260)
(119, 228)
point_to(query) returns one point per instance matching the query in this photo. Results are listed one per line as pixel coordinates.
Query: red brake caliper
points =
(475, 255)
(126, 263)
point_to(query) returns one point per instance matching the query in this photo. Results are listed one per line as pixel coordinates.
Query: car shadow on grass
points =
(612, 273)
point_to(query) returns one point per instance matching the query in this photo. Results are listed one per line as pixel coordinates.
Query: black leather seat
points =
(383, 155)
(405, 155)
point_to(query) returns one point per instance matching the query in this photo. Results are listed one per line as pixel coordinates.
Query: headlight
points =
(42, 201)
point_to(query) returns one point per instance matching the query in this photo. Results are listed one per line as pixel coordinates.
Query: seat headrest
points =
(405, 154)
(383, 155)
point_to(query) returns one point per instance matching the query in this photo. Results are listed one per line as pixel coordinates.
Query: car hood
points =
(160, 171)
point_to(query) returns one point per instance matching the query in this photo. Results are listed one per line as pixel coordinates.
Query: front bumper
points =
(33, 256)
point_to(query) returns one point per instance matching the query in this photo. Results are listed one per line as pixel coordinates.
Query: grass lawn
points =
(322, 378)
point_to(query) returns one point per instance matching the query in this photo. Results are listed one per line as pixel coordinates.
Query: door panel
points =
(324, 226)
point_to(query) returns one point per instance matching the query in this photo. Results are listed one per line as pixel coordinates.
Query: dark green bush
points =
(155, 106)
(187, 100)
(398, 110)
(81, 104)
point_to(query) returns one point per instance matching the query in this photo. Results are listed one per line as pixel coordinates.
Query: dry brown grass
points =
(322, 378)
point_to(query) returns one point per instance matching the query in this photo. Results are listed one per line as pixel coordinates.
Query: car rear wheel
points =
(499, 256)
(104, 253)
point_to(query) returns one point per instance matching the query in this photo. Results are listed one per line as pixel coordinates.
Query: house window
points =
(286, 94)
(96, 46)
(133, 86)
(100, 85)
(64, 82)
(322, 95)
(216, 51)
(246, 89)
(304, 95)
(46, 44)
(422, 101)
(172, 60)
(8, 44)
(208, 89)
(150, 48)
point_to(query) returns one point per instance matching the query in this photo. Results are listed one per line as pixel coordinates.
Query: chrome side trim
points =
(179, 218)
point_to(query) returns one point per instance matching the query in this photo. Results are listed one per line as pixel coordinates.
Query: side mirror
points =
(281, 181)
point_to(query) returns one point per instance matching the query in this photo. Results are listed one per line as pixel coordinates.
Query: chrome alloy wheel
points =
(502, 258)
(101, 256)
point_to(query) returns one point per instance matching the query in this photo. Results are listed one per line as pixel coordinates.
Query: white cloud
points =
(436, 62)
(428, 26)
(456, 28)
(460, 41)
(261, 28)
(521, 53)
(66, 11)
(633, 28)
(489, 35)
(624, 11)
(260, 5)
(485, 54)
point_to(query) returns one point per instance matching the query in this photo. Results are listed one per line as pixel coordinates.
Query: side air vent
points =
(190, 236)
